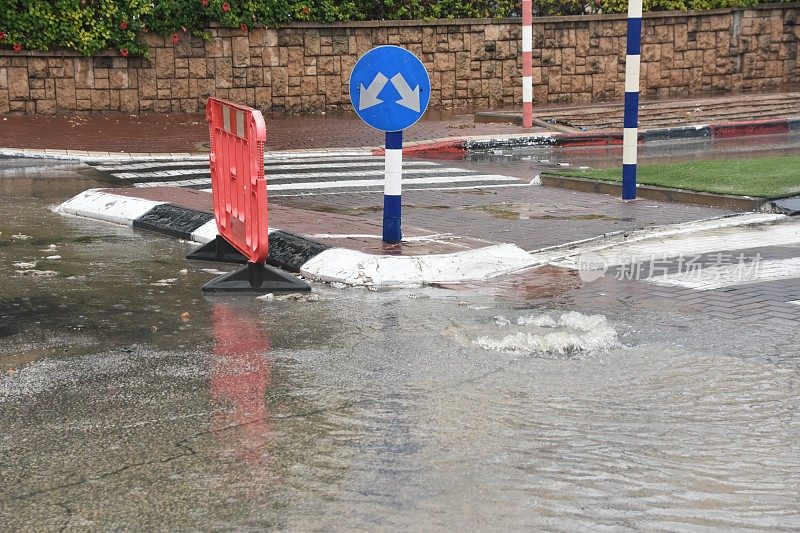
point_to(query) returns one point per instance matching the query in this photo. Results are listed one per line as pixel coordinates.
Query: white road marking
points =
(718, 277)
(181, 183)
(726, 239)
(150, 164)
(346, 184)
(275, 164)
(294, 175)
(313, 173)
(365, 191)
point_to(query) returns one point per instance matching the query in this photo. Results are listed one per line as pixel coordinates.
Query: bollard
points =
(392, 191)
(630, 136)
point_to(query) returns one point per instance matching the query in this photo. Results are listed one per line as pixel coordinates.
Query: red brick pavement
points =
(188, 133)
(317, 223)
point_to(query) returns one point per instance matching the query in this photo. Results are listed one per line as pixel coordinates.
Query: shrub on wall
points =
(87, 26)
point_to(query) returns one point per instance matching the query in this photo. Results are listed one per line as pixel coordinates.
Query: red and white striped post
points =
(527, 63)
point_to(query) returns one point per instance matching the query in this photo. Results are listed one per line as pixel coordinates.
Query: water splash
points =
(577, 333)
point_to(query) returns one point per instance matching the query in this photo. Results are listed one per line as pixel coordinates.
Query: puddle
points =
(513, 211)
(350, 211)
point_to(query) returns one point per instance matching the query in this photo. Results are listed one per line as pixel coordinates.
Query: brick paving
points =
(758, 304)
(180, 133)
(531, 217)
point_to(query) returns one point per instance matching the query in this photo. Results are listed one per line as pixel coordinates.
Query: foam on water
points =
(577, 333)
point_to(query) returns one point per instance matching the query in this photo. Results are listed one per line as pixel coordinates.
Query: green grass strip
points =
(763, 177)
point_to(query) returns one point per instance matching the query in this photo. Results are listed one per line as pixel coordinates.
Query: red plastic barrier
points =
(239, 189)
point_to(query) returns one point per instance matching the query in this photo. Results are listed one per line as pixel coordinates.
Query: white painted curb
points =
(357, 268)
(205, 233)
(566, 255)
(101, 205)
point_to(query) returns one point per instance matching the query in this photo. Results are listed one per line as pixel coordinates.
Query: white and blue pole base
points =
(630, 136)
(392, 190)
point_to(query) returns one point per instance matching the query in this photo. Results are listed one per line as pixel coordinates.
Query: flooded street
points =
(131, 401)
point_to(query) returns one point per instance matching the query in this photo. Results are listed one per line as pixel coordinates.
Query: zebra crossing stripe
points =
(348, 164)
(163, 173)
(181, 183)
(273, 163)
(294, 175)
(322, 154)
(152, 164)
(347, 184)
(719, 277)
(708, 241)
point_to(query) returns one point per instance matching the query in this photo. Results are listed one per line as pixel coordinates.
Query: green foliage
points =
(87, 26)
(621, 6)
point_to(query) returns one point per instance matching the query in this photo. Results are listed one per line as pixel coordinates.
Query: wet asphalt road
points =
(128, 400)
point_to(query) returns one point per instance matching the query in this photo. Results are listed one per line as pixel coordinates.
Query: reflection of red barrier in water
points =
(239, 380)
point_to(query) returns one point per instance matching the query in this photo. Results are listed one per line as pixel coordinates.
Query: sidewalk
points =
(594, 124)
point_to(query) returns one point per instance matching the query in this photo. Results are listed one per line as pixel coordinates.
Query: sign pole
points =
(390, 90)
(527, 63)
(630, 138)
(392, 190)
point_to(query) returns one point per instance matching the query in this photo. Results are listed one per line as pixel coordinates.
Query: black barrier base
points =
(258, 278)
(219, 250)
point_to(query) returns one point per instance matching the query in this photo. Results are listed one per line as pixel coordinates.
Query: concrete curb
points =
(721, 130)
(298, 254)
(319, 262)
(660, 194)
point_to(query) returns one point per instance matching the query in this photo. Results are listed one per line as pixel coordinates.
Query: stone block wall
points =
(472, 63)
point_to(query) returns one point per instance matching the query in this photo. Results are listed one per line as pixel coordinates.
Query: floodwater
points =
(655, 152)
(128, 400)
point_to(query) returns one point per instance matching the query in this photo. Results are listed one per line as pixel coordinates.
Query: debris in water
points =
(164, 282)
(267, 297)
(25, 265)
(185, 316)
(298, 296)
(213, 271)
(40, 273)
(338, 285)
(20, 237)
(183, 271)
(54, 257)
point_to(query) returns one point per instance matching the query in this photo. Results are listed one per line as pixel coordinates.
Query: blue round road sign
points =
(390, 88)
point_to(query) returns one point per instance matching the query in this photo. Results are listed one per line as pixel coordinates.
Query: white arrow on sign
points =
(369, 97)
(409, 97)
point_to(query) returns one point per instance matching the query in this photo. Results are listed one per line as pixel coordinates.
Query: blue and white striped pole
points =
(630, 136)
(392, 188)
